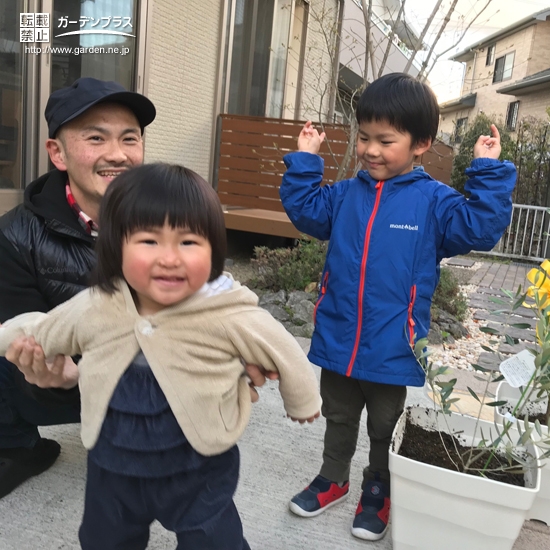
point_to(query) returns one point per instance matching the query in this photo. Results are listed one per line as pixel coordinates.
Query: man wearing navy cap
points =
(46, 254)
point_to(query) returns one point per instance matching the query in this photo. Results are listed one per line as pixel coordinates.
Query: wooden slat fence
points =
(250, 167)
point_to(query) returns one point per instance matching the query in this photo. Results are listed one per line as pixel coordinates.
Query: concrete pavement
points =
(278, 459)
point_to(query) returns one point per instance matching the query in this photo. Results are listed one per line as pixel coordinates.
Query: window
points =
(503, 68)
(67, 67)
(264, 53)
(490, 55)
(460, 128)
(12, 113)
(512, 115)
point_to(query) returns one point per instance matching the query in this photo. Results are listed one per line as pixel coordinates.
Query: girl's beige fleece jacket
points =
(194, 349)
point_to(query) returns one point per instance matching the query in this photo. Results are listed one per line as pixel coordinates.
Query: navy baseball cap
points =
(67, 103)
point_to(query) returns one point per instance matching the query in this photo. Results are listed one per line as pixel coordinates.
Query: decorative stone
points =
(273, 298)
(303, 311)
(297, 296)
(277, 311)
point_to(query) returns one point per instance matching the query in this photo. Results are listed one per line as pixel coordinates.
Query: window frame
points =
(512, 112)
(459, 130)
(499, 75)
(490, 59)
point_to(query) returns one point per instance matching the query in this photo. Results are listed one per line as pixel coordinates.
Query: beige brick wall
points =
(531, 55)
(539, 60)
(447, 122)
(318, 61)
(183, 50)
(534, 105)
(479, 76)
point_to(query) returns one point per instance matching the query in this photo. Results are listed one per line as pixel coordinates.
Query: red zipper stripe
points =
(379, 187)
(323, 292)
(410, 320)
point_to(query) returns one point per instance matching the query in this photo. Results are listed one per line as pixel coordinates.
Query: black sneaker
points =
(319, 495)
(17, 465)
(373, 512)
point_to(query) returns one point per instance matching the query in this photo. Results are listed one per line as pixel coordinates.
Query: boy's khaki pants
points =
(344, 399)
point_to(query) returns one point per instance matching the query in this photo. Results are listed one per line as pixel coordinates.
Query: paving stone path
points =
(490, 279)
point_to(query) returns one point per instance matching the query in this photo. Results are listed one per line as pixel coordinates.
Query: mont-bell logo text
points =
(404, 226)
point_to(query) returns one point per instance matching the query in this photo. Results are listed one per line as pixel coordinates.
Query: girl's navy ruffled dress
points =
(140, 435)
(143, 462)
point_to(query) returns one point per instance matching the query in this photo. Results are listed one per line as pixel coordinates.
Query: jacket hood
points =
(45, 197)
(416, 174)
(237, 297)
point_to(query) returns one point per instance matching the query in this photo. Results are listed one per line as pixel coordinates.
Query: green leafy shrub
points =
(448, 297)
(481, 125)
(289, 268)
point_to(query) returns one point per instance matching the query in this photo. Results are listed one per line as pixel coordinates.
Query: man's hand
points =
(304, 420)
(488, 146)
(309, 140)
(258, 375)
(29, 358)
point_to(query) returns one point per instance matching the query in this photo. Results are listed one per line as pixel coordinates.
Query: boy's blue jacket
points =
(386, 240)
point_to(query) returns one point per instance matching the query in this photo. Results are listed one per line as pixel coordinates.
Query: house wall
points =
(534, 104)
(531, 56)
(447, 123)
(183, 50)
(479, 77)
(538, 58)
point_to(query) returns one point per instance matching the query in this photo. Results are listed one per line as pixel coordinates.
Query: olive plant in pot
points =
(480, 493)
(527, 403)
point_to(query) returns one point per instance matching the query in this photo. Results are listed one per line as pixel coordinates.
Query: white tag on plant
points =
(518, 369)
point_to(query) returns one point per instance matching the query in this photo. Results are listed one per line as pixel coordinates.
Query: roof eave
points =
(468, 53)
(464, 102)
(523, 87)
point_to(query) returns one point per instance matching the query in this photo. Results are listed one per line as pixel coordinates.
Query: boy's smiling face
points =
(386, 152)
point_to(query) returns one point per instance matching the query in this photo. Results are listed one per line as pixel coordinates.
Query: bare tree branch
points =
(439, 35)
(459, 40)
(418, 43)
(369, 54)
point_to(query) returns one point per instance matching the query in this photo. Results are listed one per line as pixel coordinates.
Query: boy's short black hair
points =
(404, 102)
(148, 196)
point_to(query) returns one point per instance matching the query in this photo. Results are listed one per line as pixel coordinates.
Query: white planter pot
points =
(434, 508)
(541, 507)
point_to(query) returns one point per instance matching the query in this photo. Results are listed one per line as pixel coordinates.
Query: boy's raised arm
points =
(488, 146)
(308, 205)
(309, 140)
(477, 223)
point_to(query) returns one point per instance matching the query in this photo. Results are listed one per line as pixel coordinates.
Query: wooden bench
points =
(249, 169)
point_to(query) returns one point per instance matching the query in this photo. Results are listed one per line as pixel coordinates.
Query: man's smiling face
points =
(96, 147)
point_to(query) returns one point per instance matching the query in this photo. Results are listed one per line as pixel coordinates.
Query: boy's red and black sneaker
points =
(373, 512)
(319, 495)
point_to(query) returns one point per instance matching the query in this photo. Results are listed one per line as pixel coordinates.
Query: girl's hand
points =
(258, 375)
(309, 140)
(304, 420)
(488, 146)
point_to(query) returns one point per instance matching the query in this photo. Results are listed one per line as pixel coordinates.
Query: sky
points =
(446, 77)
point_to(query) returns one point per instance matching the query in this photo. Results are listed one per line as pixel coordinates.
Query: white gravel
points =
(464, 351)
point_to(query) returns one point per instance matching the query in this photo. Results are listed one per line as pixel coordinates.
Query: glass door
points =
(11, 103)
(94, 38)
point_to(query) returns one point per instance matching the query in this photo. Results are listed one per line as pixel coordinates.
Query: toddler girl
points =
(162, 334)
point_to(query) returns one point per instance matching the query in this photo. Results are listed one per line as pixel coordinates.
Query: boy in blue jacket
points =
(388, 229)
